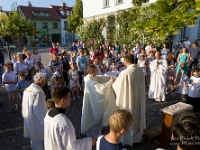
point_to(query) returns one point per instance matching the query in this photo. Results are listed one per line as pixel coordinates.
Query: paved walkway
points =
(11, 125)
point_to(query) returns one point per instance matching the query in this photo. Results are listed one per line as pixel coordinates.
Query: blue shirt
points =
(22, 84)
(105, 145)
(82, 62)
(73, 48)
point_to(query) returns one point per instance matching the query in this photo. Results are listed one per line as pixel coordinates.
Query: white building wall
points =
(95, 8)
(192, 32)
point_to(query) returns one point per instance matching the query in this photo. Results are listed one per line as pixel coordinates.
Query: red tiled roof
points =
(27, 11)
(60, 8)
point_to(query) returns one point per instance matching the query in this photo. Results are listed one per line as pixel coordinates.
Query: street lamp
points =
(2, 18)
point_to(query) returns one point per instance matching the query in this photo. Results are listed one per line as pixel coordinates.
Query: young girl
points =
(14, 60)
(183, 89)
(149, 60)
(142, 64)
(29, 61)
(96, 63)
(56, 80)
(73, 57)
(44, 70)
(74, 81)
(37, 58)
(171, 70)
(120, 67)
(113, 67)
(106, 61)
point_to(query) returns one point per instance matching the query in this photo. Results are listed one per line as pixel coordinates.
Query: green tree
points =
(76, 18)
(18, 26)
(139, 2)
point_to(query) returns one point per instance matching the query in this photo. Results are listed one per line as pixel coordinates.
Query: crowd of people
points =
(111, 80)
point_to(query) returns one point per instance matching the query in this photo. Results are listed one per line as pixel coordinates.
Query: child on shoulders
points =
(120, 121)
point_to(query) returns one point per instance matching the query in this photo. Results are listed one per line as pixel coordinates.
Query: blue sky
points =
(6, 4)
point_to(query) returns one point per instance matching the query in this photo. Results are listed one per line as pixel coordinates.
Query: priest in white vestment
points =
(129, 88)
(59, 133)
(33, 111)
(158, 78)
(98, 102)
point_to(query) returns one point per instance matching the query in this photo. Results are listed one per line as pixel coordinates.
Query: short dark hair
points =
(186, 130)
(196, 69)
(91, 68)
(60, 92)
(129, 58)
(21, 74)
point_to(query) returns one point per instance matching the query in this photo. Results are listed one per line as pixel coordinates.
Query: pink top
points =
(54, 50)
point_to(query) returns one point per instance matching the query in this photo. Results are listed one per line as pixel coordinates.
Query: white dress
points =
(75, 77)
(141, 63)
(183, 89)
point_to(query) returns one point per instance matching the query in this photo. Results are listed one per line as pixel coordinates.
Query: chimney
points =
(63, 4)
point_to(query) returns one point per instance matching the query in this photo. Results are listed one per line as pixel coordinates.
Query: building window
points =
(44, 25)
(119, 1)
(183, 33)
(65, 24)
(106, 3)
(55, 25)
(198, 35)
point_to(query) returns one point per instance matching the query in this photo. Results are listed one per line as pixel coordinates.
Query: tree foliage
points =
(76, 18)
(18, 26)
(139, 2)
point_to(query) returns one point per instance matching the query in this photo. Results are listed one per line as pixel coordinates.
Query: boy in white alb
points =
(59, 133)
(9, 79)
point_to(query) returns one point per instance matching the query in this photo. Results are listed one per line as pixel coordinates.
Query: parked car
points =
(11, 46)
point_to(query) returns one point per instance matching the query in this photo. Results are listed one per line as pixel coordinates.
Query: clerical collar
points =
(55, 111)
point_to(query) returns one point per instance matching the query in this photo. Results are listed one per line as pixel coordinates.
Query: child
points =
(14, 60)
(122, 58)
(74, 81)
(183, 89)
(142, 63)
(44, 70)
(22, 84)
(73, 57)
(171, 70)
(29, 61)
(37, 58)
(149, 60)
(113, 67)
(106, 61)
(103, 69)
(120, 121)
(120, 67)
(9, 79)
(194, 89)
(56, 80)
(116, 58)
(96, 63)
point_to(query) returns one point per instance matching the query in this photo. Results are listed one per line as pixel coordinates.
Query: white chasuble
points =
(158, 80)
(98, 101)
(129, 88)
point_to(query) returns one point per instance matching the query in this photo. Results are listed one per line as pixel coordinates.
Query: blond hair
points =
(28, 53)
(120, 119)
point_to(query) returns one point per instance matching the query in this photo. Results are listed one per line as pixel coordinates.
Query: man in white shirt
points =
(33, 111)
(186, 43)
(59, 133)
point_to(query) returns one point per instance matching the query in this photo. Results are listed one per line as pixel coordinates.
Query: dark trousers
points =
(47, 91)
(195, 63)
(80, 73)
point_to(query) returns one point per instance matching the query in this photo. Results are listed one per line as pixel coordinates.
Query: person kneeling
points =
(59, 132)
(120, 121)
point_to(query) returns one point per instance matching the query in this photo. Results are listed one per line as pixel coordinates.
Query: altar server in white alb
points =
(129, 88)
(158, 78)
(194, 89)
(33, 111)
(59, 133)
(98, 102)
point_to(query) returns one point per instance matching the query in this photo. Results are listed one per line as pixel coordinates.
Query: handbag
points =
(181, 66)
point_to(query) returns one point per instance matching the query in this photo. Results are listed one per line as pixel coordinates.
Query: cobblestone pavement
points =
(11, 125)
